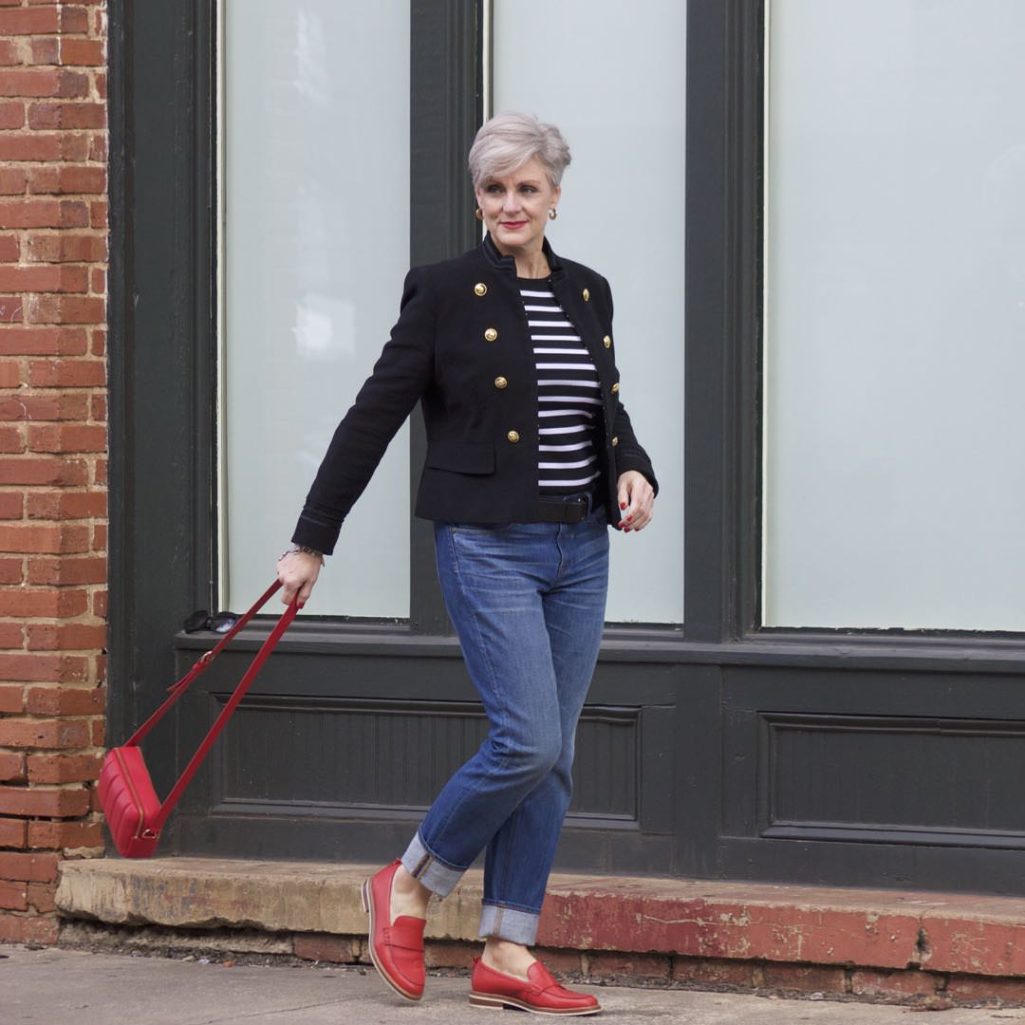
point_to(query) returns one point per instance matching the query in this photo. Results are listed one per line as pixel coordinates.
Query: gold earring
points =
(479, 214)
(552, 214)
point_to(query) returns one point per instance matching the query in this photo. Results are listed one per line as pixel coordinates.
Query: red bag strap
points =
(179, 688)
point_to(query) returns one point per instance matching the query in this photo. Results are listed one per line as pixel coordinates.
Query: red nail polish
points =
(622, 505)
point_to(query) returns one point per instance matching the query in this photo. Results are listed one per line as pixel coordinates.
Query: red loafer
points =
(396, 948)
(541, 994)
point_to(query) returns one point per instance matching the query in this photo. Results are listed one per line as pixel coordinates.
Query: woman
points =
(530, 457)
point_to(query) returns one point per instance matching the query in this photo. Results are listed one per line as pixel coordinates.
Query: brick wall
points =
(53, 251)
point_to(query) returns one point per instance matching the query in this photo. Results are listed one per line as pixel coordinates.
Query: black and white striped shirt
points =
(568, 394)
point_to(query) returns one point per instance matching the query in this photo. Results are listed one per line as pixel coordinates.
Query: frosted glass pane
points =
(613, 81)
(896, 315)
(316, 244)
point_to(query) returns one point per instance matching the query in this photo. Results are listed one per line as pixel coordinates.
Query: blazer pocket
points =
(462, 457)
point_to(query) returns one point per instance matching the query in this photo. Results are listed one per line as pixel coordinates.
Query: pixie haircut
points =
(508, 141)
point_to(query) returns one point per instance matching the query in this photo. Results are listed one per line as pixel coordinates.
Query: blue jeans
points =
(528, 603)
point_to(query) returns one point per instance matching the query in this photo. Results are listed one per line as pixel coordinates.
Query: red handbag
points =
(134, 813)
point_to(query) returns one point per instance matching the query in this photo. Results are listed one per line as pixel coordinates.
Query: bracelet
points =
(306, 550)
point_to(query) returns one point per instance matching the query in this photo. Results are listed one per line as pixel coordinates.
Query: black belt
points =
(566, 508)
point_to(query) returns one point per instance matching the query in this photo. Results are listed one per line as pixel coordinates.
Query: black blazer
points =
(461, 327)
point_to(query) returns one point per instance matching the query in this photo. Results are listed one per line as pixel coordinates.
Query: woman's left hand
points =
(636, 501)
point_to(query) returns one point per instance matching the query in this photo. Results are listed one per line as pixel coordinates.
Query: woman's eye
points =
(529, 188)
(494, 189)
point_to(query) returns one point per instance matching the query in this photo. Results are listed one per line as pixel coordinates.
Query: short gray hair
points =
(508, 141)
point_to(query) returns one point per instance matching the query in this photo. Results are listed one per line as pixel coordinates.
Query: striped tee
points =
(568, 394)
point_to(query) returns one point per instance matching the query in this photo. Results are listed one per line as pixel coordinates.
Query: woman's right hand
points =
(298, 572)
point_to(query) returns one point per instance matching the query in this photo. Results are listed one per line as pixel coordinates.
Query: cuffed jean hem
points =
(509, 924)
(425, 867)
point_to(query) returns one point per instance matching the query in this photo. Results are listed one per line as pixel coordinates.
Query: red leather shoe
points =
(396, 948)
(541, 994)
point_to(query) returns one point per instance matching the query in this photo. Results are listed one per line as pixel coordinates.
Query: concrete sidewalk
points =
(69, 987)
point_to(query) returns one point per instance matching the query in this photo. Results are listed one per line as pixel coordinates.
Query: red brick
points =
(12, 115)
(13, 833)
(43, 279)
(30, 146)
(68, 309)
(713, 973)
(37, 21)
(45, 802)
(43, 341)
(65, 637)
(12, 635)
(45, 407)
(10, 442)
(75, 148)
(100, 471)
(13, 181)
(985, 989)
(36, 868)
(98, 215)
(35, 213)
(98, 141)
(31, 82)
(9, 54)
(98, 406)
(441, 954)
(625, 967)
(98, 286)
(57, 538)
(67, 248)
(82, 51)
(67, 116)
(100, 604)
(73, 19)
(67, 572)
(73, 85)
(65, 700)
(64, 835)
(13, 896)
(319, 946)
(78, 373)
(12, 699)
(12, 309)
(42, 896)
(45, 50)
(12, 767)
(36, 667)
(10, 249)
(10, 370)
(64, 438)
(28, 603)
(12, 571)
(899, 985)
(15, 928)
(66, 505)
(44, 733)
(51, 768)
(99, 537)
(98, 728)
(797, 978)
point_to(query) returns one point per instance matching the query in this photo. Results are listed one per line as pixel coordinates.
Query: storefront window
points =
(315, 182)
(894, 477)
(613, 80)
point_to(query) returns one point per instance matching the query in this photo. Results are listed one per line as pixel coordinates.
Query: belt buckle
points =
(581, 504)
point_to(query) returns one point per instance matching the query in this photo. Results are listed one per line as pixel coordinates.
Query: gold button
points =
(607, 342)
(587, 295)
(615, 388)
(491, 335)
(501, 382)
(480, 288)
(615, 442)
(513, 436)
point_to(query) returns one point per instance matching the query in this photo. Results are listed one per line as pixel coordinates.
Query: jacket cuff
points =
(315, 533)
